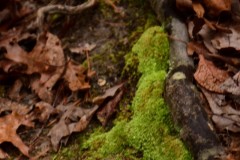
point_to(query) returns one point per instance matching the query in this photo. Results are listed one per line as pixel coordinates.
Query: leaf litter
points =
(215, 32)
(34, 63)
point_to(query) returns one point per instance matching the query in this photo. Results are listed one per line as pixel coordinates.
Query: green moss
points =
(152, 49)
(150, 133)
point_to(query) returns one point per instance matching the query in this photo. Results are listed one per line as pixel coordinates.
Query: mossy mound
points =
(150, 133)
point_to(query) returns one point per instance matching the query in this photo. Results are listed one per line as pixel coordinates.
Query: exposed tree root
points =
(50, 9)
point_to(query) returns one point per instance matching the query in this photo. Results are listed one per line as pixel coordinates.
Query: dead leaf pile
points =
(215, 37)
(42, 82)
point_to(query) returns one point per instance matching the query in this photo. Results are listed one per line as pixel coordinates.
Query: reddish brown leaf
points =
(209, 76)
(198, 8)
(8, 128)
(108, 110)
(215, 7)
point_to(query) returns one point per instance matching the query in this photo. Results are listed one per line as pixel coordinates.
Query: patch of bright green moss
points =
(150, 133)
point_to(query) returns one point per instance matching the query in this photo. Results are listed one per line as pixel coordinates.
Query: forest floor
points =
(97, 95)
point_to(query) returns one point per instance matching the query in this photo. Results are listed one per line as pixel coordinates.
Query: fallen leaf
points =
(14, 91)
(232, 85)
(209, 76)
(46, 58)
(184, 5)
(7, 105)
(75, 77)
(108, 93)
(108, 110)
(224, 123)
(43, 111)
(217, 108)
(227, 40)
(207, 34)
(198, 8)
(74, 119)
(215, 7)
(8, 130)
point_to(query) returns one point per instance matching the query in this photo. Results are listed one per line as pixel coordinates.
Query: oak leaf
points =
(8, 130)
(209, 76)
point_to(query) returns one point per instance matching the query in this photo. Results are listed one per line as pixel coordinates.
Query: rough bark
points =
(180, 92)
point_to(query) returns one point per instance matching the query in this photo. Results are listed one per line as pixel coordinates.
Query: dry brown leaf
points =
(8, 130)
(207, 35)
(219, 105)
(108, 93)
(223, 40)
(14, 91)
(212, 104)
(232, 85)
(75, 77)
(215, 7)
(108, 110)
(43, 111)
(209, 76)
(184, 4)
(11, 106)
(224, 123)
(198, 8)
(224, 116)
(46, 58)
(74, 119)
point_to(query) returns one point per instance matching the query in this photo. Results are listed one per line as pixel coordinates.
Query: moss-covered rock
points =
(150, 133)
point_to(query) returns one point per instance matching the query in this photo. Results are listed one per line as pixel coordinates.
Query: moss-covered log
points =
(180, 92)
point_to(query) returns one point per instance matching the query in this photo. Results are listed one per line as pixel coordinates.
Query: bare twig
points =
(50, 9)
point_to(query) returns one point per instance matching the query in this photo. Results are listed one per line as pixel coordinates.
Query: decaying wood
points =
(181, 94)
